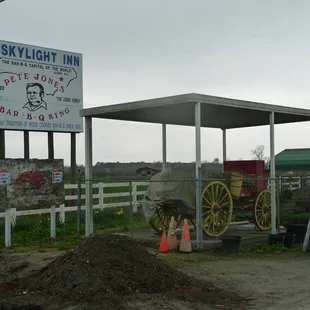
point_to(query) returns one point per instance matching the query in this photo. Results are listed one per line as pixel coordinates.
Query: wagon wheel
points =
(262, 210)
(161, 220)
(217, 207)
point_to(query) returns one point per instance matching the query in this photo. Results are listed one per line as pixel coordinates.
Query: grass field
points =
(301, 218)
(259, 250)
(34, 230)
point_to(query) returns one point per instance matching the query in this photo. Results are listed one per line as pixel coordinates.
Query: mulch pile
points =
(107, 268)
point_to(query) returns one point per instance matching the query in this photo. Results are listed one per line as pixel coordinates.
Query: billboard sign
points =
(41, 89)
(28, 184)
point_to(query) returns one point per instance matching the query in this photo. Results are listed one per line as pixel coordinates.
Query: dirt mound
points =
(108, 264)
(109, 267)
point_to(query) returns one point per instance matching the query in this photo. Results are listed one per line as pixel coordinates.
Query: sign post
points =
(5, 180)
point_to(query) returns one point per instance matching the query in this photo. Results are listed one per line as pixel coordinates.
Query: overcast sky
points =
(140, 49)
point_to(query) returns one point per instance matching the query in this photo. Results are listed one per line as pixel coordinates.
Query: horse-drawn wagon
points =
(243, 186)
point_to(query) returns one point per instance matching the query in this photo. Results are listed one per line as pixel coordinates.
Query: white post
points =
(198, 175)
(134, 197)
(7, 227)
(272, 177)
(53, 222)
(224, 145)
(164, 146)
(13, 216)
(101, 197)
(88, 178)
(62, 214)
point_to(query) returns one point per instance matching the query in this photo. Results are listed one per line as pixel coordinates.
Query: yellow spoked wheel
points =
(217, 208)
(262, 210)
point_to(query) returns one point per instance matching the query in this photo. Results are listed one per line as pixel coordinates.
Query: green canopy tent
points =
(293, 160)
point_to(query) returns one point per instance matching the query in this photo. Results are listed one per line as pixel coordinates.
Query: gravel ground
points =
(273, 283)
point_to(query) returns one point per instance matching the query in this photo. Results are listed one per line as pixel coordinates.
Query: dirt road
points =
(273, 283)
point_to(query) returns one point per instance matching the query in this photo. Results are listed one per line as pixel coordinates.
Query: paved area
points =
(247, 232)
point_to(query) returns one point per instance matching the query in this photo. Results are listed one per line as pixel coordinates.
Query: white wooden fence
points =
(100, 196)
(11, 214)
(291, 183)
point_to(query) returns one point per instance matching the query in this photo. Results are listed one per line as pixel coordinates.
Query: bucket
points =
(235, 185)
(231, 244)
(276, 239)
(299, 230)
(284, 239)
(289, 240)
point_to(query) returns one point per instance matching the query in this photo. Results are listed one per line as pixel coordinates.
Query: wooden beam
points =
(26, 145)
(2, 144)
(50, 142)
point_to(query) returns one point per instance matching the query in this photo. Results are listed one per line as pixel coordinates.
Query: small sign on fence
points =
(5, 178)
(57, 177)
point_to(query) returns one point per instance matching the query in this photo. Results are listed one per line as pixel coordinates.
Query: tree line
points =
(121, 169)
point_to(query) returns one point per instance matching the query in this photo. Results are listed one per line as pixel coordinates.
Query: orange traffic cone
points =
(172, 236)
(163, 247)
(185, 244)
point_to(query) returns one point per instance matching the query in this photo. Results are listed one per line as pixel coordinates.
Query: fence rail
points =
(291, 183)
(100, 196)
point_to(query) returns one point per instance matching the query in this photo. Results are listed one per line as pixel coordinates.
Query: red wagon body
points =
(255, 169)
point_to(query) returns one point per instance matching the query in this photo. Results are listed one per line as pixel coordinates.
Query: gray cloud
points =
(255, 50)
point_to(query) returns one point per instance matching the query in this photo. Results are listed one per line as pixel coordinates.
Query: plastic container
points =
(299, 230)
(284, 239)
(231, 244)
(235, 186)
(276, 239)
(289, 240)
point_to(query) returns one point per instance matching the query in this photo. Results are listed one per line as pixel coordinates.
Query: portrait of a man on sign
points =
(35, 95)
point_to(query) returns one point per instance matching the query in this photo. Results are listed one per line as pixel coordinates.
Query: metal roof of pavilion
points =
(216, 112)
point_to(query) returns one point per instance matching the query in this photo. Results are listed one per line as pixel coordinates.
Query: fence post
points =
(199, 237)
(62, 214)
(13, 216)
(8, 231)
(134, 197)
(78, 218)
(101, 195)
(7, 221)
(278, 205)
(53, 222)
(130, 209)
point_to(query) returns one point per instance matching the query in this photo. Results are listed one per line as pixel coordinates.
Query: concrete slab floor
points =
(247, 232)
